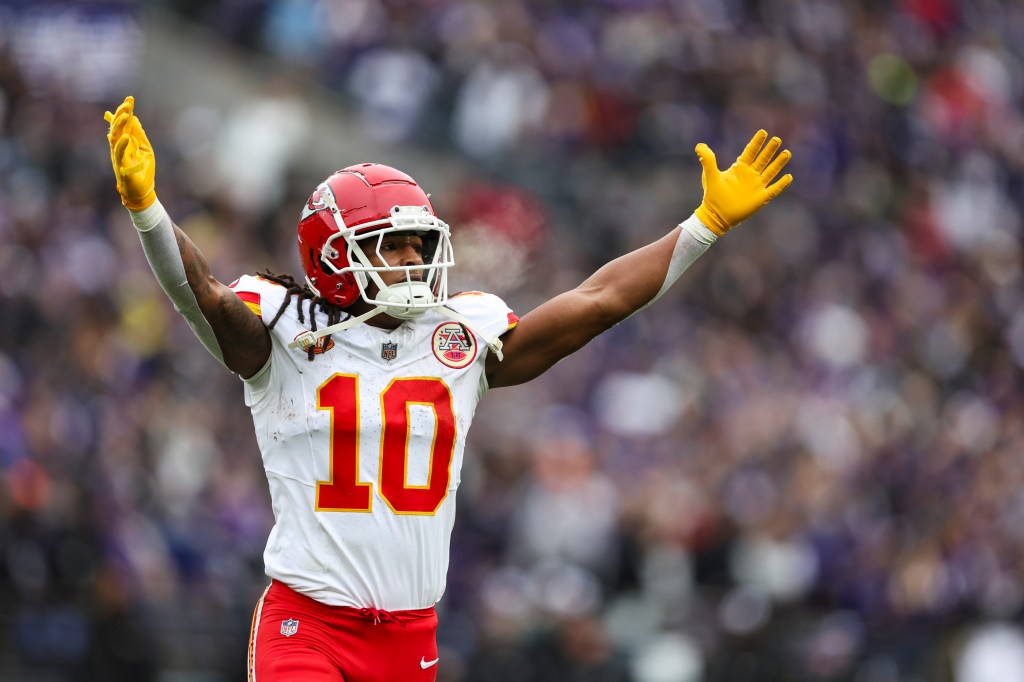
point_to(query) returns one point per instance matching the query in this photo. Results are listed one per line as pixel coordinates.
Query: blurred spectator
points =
(259, 141)
(502, 97)
(991, 653)
(392, 88)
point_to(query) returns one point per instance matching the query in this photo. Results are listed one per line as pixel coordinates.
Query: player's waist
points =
(280, 594)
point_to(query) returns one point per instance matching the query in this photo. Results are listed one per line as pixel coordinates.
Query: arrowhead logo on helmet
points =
(313, 204)
(367, 201)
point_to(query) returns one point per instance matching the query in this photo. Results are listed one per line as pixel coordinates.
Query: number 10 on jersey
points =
(344, 492)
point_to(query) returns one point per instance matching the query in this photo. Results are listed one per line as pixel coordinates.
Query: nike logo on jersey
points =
(424, 663)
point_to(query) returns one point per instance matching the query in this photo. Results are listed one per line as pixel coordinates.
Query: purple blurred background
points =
(804, 463)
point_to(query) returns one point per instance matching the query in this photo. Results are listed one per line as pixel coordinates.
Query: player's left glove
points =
(132, 157)
(733, 195)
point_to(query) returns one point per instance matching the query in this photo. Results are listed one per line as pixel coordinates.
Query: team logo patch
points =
(454, 346)
(289, 627)
(316, 201)
(389, 350)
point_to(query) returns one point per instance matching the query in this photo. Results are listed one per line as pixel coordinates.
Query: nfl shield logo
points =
(388, 350)
(289, 627)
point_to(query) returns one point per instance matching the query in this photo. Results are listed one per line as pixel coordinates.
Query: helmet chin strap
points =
(493, 342)
(399, 296)
(309, 338)
(400, 310)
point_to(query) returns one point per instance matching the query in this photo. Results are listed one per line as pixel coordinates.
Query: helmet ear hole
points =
(317, 263)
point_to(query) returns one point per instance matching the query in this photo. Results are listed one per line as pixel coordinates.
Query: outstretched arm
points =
(631, 282)
(222, 322)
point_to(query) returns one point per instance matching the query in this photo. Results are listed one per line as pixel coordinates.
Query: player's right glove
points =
(132, 157)
(733, 195)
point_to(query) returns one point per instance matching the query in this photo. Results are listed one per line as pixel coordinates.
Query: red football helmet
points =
(364, 202)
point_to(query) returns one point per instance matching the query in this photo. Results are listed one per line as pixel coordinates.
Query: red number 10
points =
(344, 491)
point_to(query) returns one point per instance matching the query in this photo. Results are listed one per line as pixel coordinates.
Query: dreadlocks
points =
(302, 293)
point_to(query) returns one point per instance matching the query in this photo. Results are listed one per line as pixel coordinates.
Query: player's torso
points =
(363, 451)
(386, 414)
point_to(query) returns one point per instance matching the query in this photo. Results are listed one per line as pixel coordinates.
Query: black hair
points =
(302, 293)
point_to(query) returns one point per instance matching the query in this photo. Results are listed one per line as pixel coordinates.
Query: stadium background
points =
(804, 463)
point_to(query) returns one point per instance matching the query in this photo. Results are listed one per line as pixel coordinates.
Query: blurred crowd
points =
(806, 462)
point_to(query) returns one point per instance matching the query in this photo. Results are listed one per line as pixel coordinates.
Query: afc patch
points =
(389, 350)
(289, 627)
(454, 346)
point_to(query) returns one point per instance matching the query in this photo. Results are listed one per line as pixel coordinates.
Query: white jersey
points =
(363, 447)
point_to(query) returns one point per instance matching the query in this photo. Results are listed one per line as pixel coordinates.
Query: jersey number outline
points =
(343, 492)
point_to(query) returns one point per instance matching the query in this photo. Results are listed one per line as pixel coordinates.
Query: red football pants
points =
(295, 638)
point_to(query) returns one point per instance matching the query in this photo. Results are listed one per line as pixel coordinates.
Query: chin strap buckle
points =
(303, 340)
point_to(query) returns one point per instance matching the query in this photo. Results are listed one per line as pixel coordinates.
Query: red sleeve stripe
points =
(252, 301)
(513, 320)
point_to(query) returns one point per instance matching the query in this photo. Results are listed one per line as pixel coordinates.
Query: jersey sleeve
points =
(261, 296)
(490, 315)
(264, 298)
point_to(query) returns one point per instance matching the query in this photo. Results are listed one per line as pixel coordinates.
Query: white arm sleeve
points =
(694, 239)
(156, 232)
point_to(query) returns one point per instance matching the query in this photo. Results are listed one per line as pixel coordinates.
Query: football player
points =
(363, 380)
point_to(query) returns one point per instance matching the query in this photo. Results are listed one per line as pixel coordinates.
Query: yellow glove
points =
(732, 196)
(132, 157)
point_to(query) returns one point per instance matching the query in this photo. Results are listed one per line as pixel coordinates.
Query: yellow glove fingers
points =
(128, 147)
(116, 154)
(140, 135)
(144, 150)
(733, 195)
(113, 156)
(119, 126)
(119, 151)
(119, 119)
(131, 156)
(763, 158)
(127, 130)
(708, 162)
(126, 156)
(121, 116)
(133, 160)
(750, 153)
(776, 189)
(769, 173)
(125, 107)
(710, 179)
